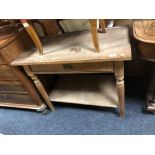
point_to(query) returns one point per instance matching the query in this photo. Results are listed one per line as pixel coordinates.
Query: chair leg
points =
(93, 26)
(102, 23)
(33, 35)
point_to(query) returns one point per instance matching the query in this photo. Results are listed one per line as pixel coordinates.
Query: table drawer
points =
(11, 87)
(6, 73)
(73, 68)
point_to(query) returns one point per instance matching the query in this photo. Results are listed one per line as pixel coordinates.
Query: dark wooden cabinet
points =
(16, 89)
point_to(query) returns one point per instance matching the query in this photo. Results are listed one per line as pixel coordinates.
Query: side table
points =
(74, 54)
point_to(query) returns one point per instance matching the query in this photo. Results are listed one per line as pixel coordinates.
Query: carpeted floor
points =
(84, 120)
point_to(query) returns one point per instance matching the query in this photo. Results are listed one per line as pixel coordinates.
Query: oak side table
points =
(72, 56)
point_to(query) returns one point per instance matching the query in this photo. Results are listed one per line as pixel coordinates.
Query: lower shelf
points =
(96, 90)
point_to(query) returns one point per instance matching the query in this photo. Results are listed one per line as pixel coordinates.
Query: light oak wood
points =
(93, 27)
(119, 74)
(114, 43)
(103, 25)
(73, 68)
(70, 54)
(12, 87)
(97, 90)
(37, 42)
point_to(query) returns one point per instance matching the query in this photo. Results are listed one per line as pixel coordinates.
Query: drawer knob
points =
(67, 66)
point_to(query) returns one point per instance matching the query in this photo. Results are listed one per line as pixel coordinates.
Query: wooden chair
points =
(144, 32)
(93, 25)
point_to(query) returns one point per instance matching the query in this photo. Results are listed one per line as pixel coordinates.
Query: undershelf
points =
(90, 89)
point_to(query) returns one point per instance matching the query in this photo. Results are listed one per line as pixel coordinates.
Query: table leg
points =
(93, 26)
(119, 74)
(40, 87)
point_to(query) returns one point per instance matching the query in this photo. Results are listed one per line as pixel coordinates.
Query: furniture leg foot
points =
(45, 112)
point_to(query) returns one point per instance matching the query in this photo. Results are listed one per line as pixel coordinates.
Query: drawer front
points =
(6, 73)
(2, 61)
(15, 99)
(11, 87)
(73, 68)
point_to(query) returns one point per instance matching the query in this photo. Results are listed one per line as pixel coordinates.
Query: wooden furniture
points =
(16, 89)
(38, 44)
(73, 54)
(144, 32)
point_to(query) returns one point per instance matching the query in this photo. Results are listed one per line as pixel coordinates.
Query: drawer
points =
(11, 87)
(15, 99)
(73, 68)
(6, 73)
(2, 61)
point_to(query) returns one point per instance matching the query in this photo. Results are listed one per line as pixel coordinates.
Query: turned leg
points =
(40, 87)
(30, 30)
(93, 26)
(119, 74)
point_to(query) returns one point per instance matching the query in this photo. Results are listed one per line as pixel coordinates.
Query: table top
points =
(78, 48)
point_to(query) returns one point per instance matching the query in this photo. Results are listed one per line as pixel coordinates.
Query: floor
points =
(69, 119)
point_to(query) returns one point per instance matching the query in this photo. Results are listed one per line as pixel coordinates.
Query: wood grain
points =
(6, 73)
(97, 90)
(2, 61)
(144, 30)
(16, 98)
(119, 74)
(93, 27)
(73, 68)
(16, 90)
(51, 27)
(77, 48)
(32, 33)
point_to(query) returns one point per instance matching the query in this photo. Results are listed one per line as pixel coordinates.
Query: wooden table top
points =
(78, 48)
(144, 30)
